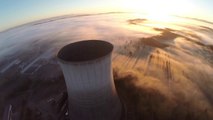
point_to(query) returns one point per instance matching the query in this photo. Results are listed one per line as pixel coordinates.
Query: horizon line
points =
(71, 15)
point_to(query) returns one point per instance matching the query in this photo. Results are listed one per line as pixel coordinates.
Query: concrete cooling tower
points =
(86, 66)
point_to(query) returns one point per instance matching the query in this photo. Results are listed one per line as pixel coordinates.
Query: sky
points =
(16, 12)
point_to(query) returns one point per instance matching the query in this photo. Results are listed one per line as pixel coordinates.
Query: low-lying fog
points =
(163, 69)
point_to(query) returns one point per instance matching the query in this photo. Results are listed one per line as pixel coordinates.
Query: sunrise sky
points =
(16, 12)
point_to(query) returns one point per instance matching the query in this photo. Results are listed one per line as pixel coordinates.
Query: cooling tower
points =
(86, 66)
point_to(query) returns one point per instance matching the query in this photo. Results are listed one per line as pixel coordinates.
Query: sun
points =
(159, 9)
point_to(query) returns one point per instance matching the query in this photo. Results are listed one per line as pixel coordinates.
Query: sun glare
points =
(159, 9)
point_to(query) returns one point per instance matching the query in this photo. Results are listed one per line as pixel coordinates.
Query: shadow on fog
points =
(197, 19)
(144, 46)
(136, 21)
(149, 103)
